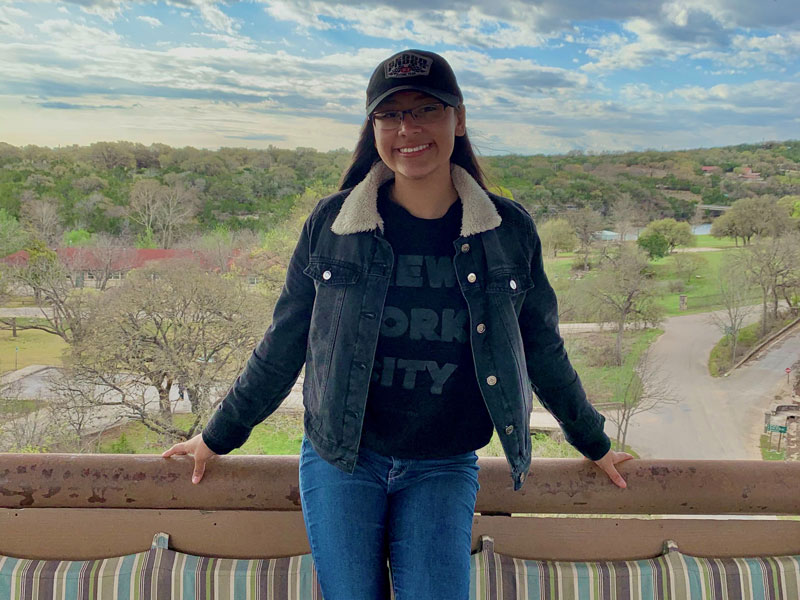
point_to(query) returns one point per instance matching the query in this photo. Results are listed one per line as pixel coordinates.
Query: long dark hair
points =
(365, 155)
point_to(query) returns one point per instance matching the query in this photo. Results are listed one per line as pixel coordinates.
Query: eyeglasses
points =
(423, 115)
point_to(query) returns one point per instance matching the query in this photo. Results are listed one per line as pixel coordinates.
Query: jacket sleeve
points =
(275, 363)
(553, 378)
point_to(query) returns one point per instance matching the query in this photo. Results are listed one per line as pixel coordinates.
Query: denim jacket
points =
(329, 313)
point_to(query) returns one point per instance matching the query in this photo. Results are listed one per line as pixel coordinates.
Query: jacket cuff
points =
(222, 435)
(596, 449)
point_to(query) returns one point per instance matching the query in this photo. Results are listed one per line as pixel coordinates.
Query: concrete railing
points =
(82, 506)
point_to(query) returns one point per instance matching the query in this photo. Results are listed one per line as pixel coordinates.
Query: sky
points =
(538, 76)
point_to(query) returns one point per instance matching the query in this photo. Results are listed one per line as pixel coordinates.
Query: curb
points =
(761, 346)
(24, 372)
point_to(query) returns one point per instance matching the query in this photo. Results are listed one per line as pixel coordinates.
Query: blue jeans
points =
(417, 513)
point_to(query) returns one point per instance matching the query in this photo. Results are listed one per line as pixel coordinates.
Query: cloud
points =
(70, 106)
(269, 137)
(152, 21)
(8, 25)
(105, 9)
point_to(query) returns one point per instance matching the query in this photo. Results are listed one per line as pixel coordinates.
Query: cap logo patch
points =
(407, 64)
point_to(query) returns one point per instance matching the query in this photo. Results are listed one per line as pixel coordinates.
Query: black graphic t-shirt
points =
(424, 400)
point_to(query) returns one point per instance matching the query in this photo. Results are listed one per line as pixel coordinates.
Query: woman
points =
(418, 303)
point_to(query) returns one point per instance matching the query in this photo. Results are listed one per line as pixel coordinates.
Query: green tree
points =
(557, 235)
(676, 233)
(13, 236)
(654, 243)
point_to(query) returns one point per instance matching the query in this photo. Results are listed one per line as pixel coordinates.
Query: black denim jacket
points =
(329, 313)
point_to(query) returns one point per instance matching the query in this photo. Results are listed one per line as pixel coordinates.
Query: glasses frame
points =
(377, 123)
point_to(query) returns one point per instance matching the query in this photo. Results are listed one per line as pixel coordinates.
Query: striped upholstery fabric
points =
(163, 574)
(670, 576)
(159, 574)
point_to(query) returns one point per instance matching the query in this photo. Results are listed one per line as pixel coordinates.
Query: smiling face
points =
(416, 151)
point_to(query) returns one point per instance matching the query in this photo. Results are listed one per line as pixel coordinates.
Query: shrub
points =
(676, 286)
(122, 446)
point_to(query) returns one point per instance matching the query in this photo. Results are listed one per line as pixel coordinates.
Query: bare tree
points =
(168, 325)
(624, 292)
(109, 255)
(21, 431)
(771, 263)
(734, 289)
(178, 205)
(585, 222)
(63, 308)
(645, 389)
(42, 217)
(625, 215)
(79, 409)
(163, 208)
(787, 282)
(145, 198)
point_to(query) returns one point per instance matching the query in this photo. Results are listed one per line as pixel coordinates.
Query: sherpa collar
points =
(359, 211)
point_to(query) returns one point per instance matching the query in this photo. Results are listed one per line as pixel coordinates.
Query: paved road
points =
(715, 418)
(24, 311)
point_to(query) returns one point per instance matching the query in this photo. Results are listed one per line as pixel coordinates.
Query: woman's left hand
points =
(608, 464)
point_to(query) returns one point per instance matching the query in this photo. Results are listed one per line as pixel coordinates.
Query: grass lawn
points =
(279, 434)
(19, 302)
(35, 348)
(766, 453)
(589, 352)
(557, 269)
(701, 290)
(709, 241)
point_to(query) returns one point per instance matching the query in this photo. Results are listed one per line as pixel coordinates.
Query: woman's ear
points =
(461, 120)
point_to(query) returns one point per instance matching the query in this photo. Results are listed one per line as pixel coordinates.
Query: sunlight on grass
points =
(35, 348)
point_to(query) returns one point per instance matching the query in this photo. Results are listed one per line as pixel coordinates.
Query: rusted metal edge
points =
(566, 486)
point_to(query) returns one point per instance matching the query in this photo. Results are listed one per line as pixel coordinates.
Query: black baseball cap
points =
(413, 70)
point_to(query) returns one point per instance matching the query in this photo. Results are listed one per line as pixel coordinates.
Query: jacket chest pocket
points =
(333, 280)
(330, 272)
(512, 283)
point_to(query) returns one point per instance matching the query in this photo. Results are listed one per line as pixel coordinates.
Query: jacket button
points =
(509, 429)
(491, 380)
(472, 278)
(513, 284)
(481, 328)
(465, 247)
(326, 275)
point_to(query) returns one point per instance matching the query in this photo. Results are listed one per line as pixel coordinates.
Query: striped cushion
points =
(159, 573)
(163, 573)
(670, 576)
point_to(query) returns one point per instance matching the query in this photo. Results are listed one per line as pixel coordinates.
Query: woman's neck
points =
(428, 198)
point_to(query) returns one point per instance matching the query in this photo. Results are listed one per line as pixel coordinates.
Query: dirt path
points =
(715, 418)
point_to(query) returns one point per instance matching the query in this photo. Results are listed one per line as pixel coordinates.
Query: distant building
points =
(711, 170)
(749, 175)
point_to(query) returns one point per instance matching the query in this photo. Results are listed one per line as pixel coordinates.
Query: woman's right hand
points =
(197, 448)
